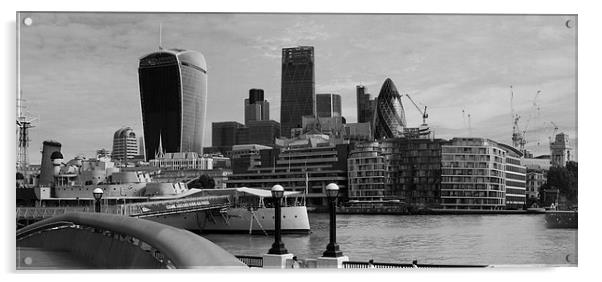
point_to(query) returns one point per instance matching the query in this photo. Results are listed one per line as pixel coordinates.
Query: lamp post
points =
(97, 196)
(332, 249)
(278, 247)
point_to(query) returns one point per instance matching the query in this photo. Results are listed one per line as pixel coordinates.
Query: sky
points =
(78, 71)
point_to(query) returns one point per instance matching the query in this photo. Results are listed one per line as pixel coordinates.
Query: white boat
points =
(251, 212)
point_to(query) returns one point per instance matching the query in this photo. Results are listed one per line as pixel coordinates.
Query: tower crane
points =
(533, 109)
(424, 114)
(555, 131)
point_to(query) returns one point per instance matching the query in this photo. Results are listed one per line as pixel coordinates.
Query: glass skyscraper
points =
(328, 105)
(389, 116)
(298, 96)
(173, 94)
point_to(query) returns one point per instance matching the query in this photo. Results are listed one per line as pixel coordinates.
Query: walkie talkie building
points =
(173, 94)
(389, 116)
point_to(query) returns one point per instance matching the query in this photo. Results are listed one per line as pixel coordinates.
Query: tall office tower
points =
(328, 105)
(389, 118)
(365, 106)
(125, 144)
(141, 149)
(561, 150)
(256, 107)
(298, 96)
(173, 94)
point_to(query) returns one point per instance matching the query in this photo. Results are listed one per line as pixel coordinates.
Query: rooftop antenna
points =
(160, 36)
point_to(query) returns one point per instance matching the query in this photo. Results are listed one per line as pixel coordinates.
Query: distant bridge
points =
(27, 215)
(98, 240)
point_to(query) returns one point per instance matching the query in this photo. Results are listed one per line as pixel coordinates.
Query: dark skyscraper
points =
(328, 105)
(256, 108)
(298, 96)
(365, 106)
(173, 94)
(389, 118)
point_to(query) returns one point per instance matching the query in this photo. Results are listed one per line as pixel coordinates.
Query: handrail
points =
(185, 249)
(362, 264)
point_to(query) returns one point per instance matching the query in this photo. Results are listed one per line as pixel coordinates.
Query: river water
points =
(434, 239)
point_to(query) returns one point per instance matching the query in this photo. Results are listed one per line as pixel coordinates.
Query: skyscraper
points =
(365, 106)
(256, 107)
(389, 116)
(125, 144)
(173, 94)
(328, 105)
(298, 96)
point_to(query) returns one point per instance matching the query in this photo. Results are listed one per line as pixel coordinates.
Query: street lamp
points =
(97, 196)
(278, 247)
(332, 249)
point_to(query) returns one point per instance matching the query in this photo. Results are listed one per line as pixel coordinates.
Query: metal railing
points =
(361, 264)
(174, 206)
(168, 245)
(251, 261)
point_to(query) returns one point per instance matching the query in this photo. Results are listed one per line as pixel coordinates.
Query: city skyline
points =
(75, 66)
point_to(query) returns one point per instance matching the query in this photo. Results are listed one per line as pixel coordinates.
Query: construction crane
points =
(424, 114)
(534, 108)
(555, 131)
(469, 127)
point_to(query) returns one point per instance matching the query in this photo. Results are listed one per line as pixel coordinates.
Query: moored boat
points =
(561, 219)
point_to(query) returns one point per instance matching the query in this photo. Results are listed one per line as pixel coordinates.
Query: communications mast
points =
(24, 123)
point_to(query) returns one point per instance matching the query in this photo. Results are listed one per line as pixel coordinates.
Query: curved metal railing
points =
(172, 246)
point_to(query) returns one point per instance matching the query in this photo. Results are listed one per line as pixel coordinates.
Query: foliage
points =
(203, 182)
(565, 180)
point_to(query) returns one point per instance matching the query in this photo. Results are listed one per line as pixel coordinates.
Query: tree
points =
(203, 182)
(565, 180)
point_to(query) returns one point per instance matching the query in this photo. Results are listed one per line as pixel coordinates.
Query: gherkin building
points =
(389, 117)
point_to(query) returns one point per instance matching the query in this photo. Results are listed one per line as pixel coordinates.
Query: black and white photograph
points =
(294, 140)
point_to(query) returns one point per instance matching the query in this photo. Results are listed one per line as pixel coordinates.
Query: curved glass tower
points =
(389, 117)
(173, 94)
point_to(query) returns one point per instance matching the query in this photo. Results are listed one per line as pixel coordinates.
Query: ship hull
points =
(561, 219)
(239, 220)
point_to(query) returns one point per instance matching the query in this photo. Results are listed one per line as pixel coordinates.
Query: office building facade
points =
(305, 165)
(226, 134)
(408, 170)
(256, 107)
(389, 116)
(173, 94)
(473, 175)
(366, 172)
(515, 174)
(328, 105)
(125, 145)
(263, 132)
(365, 105)
(298, 97)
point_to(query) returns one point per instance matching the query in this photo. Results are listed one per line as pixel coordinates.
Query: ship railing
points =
(363, 264)
(174, 206)
(143, 243)
(251, 261)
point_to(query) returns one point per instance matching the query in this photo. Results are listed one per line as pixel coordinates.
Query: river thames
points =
(434, 239)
